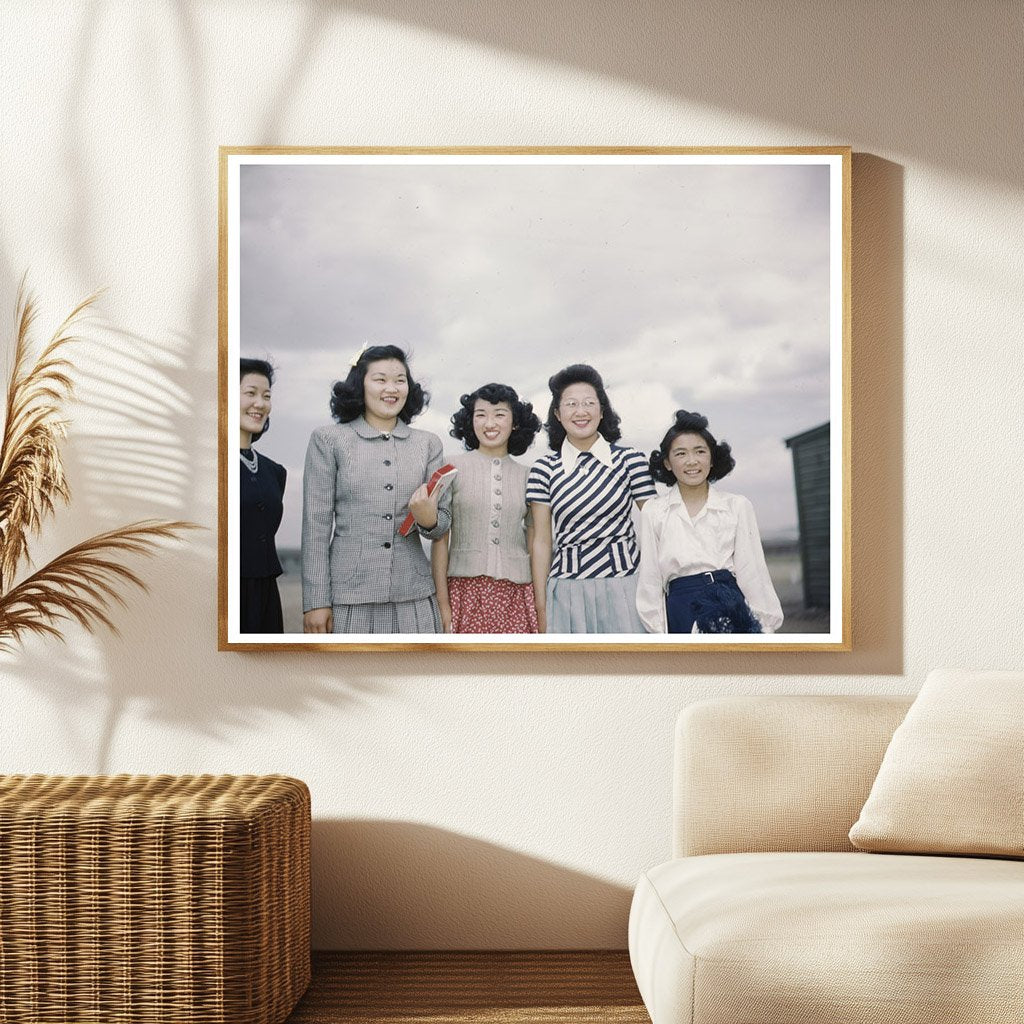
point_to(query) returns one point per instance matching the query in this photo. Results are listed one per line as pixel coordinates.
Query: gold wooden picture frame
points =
(715, 280)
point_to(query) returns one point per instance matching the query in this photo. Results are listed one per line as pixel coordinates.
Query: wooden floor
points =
(472, 988)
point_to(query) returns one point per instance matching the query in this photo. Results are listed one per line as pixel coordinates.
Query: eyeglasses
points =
(587, 403)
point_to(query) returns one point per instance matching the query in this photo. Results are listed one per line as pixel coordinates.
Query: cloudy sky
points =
(687, 286)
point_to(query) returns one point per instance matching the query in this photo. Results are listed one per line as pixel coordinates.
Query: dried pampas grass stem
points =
(81, 584)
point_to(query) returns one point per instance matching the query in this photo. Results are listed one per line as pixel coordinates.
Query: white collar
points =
(601, 450)
(715, 500)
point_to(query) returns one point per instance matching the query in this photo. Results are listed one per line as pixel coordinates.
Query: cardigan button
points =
(386, 544)
(388, 515)
(389, 487)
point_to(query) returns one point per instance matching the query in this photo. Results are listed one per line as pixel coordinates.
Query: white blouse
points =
(723, 535)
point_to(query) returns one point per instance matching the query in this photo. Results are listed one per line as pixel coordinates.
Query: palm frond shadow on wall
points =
(83, 583)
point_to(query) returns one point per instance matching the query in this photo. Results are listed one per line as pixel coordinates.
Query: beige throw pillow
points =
(952, 780)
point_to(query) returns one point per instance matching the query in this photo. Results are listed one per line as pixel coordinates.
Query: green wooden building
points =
(811, 474)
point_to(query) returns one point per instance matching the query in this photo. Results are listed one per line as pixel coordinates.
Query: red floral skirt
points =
(481, 604)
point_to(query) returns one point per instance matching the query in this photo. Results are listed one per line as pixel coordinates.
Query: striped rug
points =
(472, 988)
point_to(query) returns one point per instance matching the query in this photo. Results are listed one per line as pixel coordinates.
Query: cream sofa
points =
(768, 914)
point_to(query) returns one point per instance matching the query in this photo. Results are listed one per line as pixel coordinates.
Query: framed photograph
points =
(561, 399)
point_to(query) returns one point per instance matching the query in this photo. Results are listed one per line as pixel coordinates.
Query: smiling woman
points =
(585, 552)
(703, 568)
(261, 503)
(483, 575)
(364, 474)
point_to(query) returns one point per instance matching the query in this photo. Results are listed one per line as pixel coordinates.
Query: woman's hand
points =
(446, 618)
(318, 620)
(423, 506)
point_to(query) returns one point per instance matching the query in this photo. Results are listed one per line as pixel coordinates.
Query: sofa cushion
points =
(950, 781)
(777, 772)
(782, 938)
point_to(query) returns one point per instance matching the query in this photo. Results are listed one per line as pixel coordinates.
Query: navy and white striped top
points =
(591, 524)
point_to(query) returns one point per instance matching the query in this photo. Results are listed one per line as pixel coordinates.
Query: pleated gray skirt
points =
(419, 616)
(593, 606)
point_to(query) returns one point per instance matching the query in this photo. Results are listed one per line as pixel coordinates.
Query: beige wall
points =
(478, 800)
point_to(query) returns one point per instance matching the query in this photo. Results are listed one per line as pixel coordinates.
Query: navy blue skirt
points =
(259, 606)
(711, 600)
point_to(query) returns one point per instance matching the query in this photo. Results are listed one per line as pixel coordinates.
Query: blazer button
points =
(389, 487)
(387, 462)
(388, 515)
(387, 544)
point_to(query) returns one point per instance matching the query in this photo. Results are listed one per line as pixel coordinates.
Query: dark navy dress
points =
(261, 502)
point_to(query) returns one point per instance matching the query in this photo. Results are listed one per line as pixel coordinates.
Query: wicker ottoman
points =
(129, 899)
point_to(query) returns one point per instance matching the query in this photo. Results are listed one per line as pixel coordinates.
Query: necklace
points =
(252, 465)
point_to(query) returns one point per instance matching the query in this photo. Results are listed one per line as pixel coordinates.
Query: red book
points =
(440, 479)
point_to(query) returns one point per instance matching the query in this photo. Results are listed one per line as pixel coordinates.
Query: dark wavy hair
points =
(525, 422)
(722, 462)
(347, 401)
(264, 369)
(580, 373)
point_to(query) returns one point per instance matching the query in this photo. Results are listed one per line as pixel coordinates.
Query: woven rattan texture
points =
(143, 899)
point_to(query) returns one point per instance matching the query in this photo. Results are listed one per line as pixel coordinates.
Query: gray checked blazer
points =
(355, 494)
